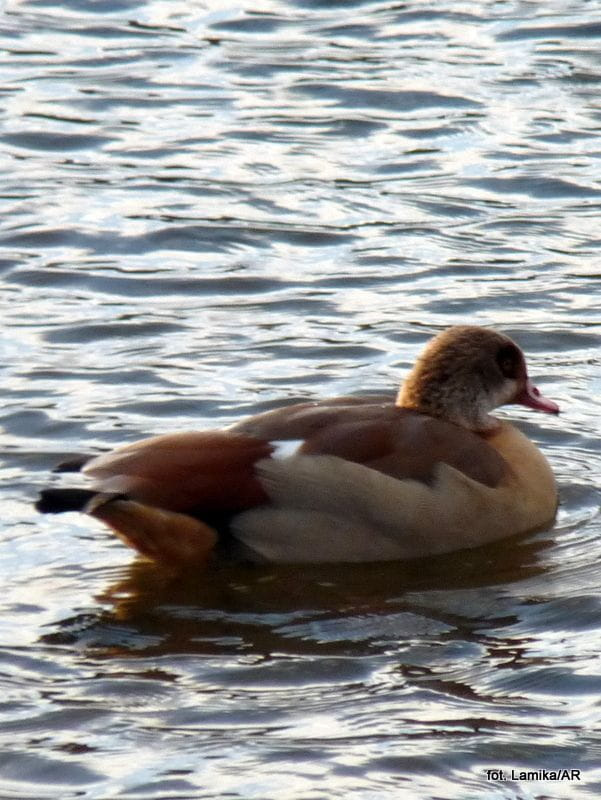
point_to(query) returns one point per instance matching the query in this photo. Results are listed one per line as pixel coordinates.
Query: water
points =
(209, 209)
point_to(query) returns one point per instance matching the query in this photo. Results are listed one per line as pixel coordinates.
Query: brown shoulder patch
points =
(409, 445)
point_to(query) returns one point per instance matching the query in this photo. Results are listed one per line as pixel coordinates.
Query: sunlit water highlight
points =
(209, 209)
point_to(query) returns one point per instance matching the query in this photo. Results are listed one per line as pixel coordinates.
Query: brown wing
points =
(214, 472)
(185, 471)
(373, 431)
(301, 420)
(409, 445)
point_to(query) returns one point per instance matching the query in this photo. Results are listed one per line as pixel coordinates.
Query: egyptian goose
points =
(358, 479)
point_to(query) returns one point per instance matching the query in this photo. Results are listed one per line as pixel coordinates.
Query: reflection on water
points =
(348, 599)
(209, 209)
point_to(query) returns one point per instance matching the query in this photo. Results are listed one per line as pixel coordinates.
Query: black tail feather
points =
(72, 464)
(54, 501)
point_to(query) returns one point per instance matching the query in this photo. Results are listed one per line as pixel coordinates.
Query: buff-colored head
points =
(466, 372)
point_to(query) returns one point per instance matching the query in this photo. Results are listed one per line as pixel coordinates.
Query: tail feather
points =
(72, 464)
(172, 539)
(55, 501)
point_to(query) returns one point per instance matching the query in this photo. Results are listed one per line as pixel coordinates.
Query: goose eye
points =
(508, 360)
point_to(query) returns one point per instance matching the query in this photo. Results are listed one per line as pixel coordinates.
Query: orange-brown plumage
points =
(182, 471)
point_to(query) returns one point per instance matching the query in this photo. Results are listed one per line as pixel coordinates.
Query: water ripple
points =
(208, 211)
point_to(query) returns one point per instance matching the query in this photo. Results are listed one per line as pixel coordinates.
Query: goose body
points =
(348, 479)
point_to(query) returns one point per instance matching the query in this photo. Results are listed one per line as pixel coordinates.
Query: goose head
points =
(466, 372)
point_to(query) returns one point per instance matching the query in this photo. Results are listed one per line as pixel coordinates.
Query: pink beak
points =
(530, 396)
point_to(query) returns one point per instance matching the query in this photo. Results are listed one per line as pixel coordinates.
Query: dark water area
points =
(209, 209)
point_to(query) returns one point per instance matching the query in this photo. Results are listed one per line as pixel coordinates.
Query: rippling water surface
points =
(209, 208)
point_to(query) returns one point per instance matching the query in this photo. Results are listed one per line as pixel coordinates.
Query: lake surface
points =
(212, 208)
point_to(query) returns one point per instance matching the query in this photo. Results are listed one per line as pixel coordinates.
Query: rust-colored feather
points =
(164, 536)
(185, 471)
